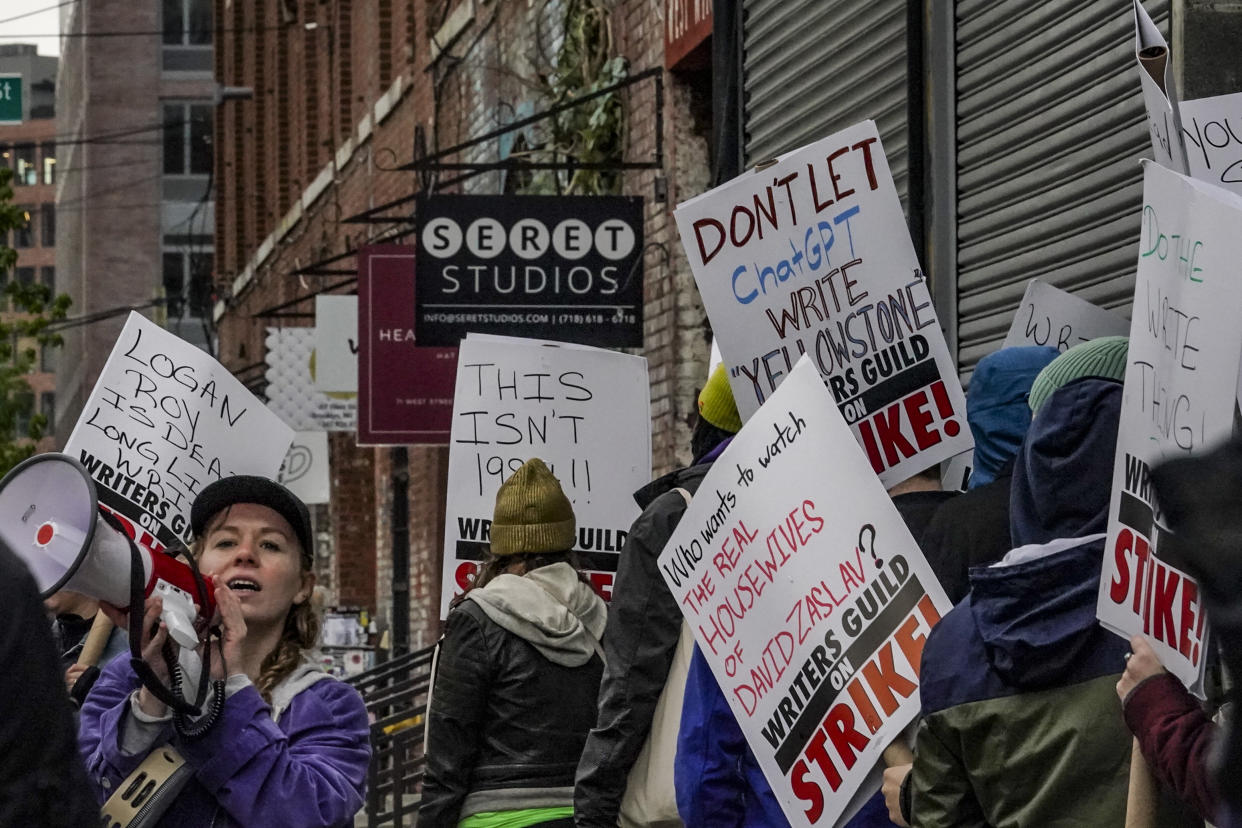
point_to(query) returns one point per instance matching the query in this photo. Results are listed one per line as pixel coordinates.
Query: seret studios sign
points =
(566, 268)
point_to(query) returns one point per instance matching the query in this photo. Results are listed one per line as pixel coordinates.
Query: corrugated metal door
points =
(1049, 121)
(813, 67)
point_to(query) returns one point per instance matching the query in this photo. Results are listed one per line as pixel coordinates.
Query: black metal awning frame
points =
(434, 163)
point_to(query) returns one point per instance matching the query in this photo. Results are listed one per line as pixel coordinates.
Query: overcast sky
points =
(46, 21)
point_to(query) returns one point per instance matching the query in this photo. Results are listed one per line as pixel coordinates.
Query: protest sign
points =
(336, 343)
(1051, 316)
(566, 267)
(163, 421)
(807, 596)
(583, 411)
(405, 391)
(1179, 399)
(1212, 128)
(304, 471)
(291, 391)
(812, 255)
(1155, 65)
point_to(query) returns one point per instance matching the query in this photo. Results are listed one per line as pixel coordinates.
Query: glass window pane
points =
(27, 166)
(200, 22)
(25, 275)
(23, 236)
(47, 277)
(174, 21)
(174, 140)
(200, 139)
(174, 281)
(49, 162)
(47, 222)
(47, 407)
(201, 267)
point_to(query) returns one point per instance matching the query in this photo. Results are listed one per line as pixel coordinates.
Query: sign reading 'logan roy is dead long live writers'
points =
(566, 268)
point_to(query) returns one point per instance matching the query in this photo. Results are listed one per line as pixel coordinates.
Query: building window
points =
(49, 162)
(47, 360)
(27, 167)
(25, 275)
(23, 236)
(47, 407)
(47, 278)
(188, 282)
(187, 22)
(187, 139)
(47, 224)
(25, 407)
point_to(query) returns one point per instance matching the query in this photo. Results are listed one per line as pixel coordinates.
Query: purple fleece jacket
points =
(309, 769)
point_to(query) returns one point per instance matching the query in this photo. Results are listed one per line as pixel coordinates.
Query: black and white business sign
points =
(567, 268)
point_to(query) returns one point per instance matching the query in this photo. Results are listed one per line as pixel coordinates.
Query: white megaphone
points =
(51, 518)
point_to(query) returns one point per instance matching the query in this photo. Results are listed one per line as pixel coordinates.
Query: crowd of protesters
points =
(550, 708)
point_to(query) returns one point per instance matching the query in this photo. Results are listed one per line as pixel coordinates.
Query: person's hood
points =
(548, 607)
(1064, 472)
(681, 478)
(1035, 610)
(308, 672)
(997, 409)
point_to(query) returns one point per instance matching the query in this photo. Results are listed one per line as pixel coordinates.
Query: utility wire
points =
(153, 32)
(37, 11)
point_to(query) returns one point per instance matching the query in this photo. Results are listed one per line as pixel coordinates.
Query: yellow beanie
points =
(716, 403)
(532, 513)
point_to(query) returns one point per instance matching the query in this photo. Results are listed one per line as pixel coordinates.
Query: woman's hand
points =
(154, 635)
(232, 632)
(1141, 664)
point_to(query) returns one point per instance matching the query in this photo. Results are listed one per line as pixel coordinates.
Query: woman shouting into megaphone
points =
(289, 745)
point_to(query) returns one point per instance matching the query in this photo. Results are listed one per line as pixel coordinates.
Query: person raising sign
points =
(290, 745)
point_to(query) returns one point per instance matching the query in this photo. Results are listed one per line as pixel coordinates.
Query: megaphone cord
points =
(184, 724)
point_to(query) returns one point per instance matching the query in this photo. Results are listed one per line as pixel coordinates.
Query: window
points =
(23, 236)
(25, 275)
(47, 278)
(25, 407)
(49, 162)
(27, 167)
(187, 22)
(47, 407)
(47, 223)
(188, 282)
(48, 361)
(187, 139)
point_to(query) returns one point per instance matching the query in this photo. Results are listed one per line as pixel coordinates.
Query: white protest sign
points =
(1051, 316)
(1185, 343)
(808, 597)
(1213, 134)
(304, 470)
(584, 411)
(336, 343)
(163, 421)
(1155, 65)
(812, 255)
(291, 389)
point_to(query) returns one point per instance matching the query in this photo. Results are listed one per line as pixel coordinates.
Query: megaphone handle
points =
(96, 641)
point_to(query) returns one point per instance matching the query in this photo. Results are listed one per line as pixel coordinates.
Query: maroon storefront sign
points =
(405, 393)
(687, 23)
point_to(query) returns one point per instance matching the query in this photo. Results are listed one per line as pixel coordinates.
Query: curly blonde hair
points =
(301, 632)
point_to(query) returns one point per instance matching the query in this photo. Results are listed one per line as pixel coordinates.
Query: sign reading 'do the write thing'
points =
(583, 411)
(1178, 400)
(291, 391)
(163, 421)
(812, 256)
(564, 267)
(807, 596)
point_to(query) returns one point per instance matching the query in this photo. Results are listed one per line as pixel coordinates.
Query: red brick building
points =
(346, 91)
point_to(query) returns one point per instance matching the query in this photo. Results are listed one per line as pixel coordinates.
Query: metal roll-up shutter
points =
(813, 67)
(1050, 127)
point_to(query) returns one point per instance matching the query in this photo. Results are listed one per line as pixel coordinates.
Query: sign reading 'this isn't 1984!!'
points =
(565, 268)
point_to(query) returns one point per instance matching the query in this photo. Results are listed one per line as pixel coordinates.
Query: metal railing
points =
(395, 694)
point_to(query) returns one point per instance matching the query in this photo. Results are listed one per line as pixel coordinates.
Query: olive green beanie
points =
(532, 513)
(1104, 358)
(716, 403)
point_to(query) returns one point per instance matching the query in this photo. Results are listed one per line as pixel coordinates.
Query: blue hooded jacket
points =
(997, 409)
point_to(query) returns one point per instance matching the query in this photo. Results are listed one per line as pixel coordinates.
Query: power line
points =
(101, 138)
(152, 32)
(36, 11)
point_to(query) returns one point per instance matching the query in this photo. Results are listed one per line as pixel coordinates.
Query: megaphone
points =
(51, 518)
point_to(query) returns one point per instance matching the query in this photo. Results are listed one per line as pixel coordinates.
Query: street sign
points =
(10, 99)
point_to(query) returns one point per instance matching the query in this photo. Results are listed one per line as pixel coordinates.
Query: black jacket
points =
(506, 724)
(969, 530)
(644, 623)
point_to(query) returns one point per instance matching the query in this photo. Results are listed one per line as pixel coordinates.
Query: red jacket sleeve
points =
(1175, 736)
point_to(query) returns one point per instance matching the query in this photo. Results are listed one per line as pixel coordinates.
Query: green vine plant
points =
(595, 131)
(23, 332)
